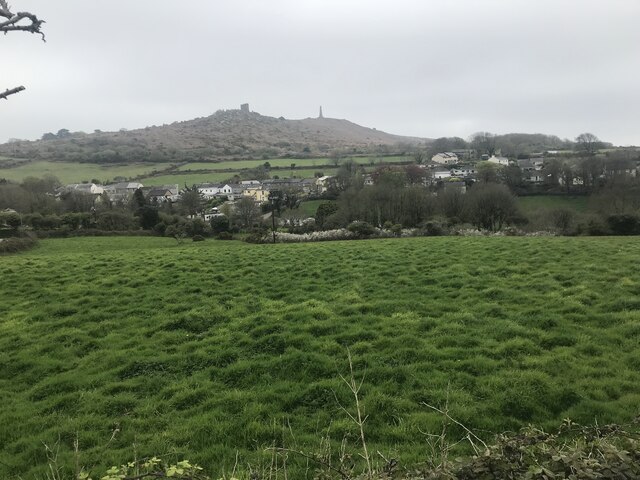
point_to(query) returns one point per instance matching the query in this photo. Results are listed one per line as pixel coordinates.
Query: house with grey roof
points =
(445, 158)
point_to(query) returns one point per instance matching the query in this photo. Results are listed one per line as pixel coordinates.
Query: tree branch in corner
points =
(15, 21)
(10, 92)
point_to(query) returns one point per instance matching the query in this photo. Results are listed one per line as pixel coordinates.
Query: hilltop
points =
(227, 134)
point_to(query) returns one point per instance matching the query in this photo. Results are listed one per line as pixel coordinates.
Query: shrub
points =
(592, 225)
(114, 220)
(219, 224)
(198, 238)
(11, 219)
(624, 224)
(396, 229)
(562, 219)
(433, 229)
(225, 236)
(361, 229)
(16, 244)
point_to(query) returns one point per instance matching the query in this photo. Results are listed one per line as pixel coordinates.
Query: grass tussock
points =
(215, 351)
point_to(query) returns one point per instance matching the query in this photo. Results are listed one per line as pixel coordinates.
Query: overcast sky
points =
(426, 68)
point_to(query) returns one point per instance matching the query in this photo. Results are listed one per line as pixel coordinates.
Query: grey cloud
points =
(424, 68)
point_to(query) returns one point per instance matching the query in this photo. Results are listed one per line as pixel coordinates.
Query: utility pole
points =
(273, 220)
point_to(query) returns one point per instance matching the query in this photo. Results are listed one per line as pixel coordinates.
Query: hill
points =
(227, 134)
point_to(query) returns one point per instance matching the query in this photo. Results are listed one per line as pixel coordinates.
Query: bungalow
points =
(463, 172)
(209, 190)
(532, 176)
(504, 161)
(441, 174)
(445, 158)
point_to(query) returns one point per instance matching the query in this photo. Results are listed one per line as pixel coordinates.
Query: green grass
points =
(286, 162)
(547, 202)
(310, 207)
(68, 172)
(213, 177)
(202, 350)
(188, 178)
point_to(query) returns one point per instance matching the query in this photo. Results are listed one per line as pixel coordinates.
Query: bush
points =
(433, 229)
(11, 219)
(219, 224)
(592, 225)
(562, 219)
(302, 229)
(361, 229)
(198, 238)
(396, 229)
(197, 226)
(225, 236)
(624, 224)
(16, 244)
(114, 220)
(47, 222)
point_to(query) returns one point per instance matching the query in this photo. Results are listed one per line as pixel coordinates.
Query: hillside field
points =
(215, 349)
(534, 203)
(70, 172)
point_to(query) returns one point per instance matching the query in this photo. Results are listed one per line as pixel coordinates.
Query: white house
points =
(90, 188)
(445, 158)
(463, 172)
(322, 183)
(209, 190)
(441, 174)
(498, 160)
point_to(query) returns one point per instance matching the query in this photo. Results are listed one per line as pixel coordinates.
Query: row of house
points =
(121, 192)
(259, 190)
(452, 158)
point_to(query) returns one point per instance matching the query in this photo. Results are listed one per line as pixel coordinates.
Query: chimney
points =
(320, 116)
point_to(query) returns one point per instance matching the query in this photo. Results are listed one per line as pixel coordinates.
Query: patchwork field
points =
(68, 172)
(286, 162)
(211, 350)
(548, 202)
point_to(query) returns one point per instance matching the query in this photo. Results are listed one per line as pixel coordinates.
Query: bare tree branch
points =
(16, 22)
(10, 92)
(21, 21)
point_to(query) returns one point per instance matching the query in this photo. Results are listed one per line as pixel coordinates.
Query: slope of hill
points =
(227, 134)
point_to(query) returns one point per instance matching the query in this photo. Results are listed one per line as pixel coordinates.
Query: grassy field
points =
(286, 162)
(548, 202)
(208, 350)
(187, 178)
(310, 207)
(68, 172)
(213, 177)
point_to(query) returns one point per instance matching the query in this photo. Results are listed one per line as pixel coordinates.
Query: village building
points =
(445, 158)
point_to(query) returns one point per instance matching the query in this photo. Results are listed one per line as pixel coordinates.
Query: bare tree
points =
(17, 22)
(588, 143)
(484, 142)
